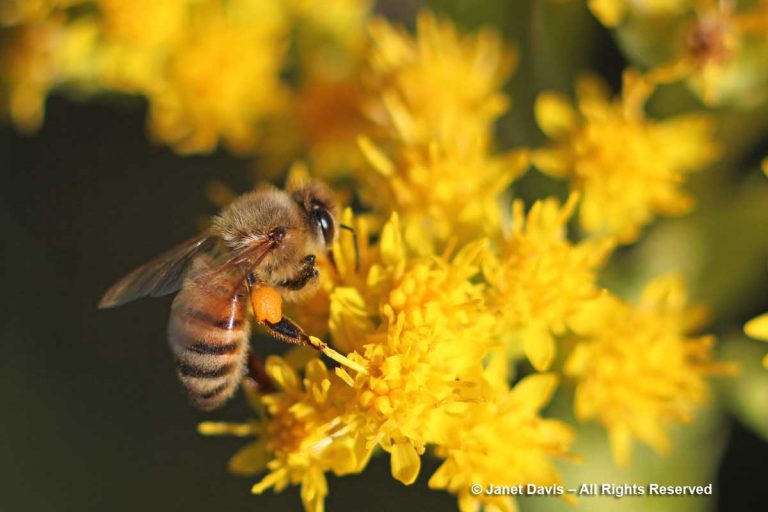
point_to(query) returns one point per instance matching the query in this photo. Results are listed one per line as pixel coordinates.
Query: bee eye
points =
(325, 222)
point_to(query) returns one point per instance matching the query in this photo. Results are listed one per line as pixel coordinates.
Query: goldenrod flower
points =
(223, 80)
(416, 94)
(430, 155)
(38, 57)
(136, 40)
(16, 12)
(538, 278)
(29, 67)
(441, 193)
(325, 121)
(301, 435)
(627, 168)
(758, 328)
(637, 368)
(721, 52)
(612, 12)
(500, 440)
(328, 41)
(143, 23)
(420, 328)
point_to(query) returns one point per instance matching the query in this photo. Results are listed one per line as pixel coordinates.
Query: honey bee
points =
(264, 248)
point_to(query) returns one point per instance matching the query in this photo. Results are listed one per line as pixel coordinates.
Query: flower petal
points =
(539, 347)
(553, 161)
(405, 462)
(250, 459)
(533, 392)
(554, 114)
(757, 327)
(609, 12)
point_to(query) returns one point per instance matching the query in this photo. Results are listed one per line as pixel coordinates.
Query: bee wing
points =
(230, 271)
(161, 276)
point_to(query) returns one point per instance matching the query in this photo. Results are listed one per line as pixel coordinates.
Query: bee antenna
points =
(357, 247)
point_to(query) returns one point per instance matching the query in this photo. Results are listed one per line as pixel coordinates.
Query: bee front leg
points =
(307, 273)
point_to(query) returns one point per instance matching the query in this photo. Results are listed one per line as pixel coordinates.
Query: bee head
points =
(317, 202)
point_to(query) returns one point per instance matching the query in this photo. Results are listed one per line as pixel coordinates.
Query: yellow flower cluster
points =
(628, 168)
(301, 435)
(430, 337)
(211, 70)
(538, 279)
(638, 368)
(500, 439)
(720, 47)
(194, 107)
(16, 12)
(430, 159)
(724, 52)
(421, 329)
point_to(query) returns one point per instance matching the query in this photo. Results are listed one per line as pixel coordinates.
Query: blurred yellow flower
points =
(758, 328)
(500, 440)
(16, 12)
(612, 12)
(538, 278)
(637, 368)
(136, 40)
(325, 116)
(143, 23)
(415, 92)
(29, 66)
(223, 79)
(721, 53)
(326, 120)
(38, 57)
(628, 168)
(428, 154)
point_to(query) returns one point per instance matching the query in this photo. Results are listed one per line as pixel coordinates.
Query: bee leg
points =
(307, 273)
(258, 375)
(287, 330)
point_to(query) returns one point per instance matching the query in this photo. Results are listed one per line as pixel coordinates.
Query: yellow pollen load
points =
(267, 304)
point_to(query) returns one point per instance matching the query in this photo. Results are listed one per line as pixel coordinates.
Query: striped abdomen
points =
(208, 332)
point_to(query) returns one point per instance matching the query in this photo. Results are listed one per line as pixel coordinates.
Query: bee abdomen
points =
(209, 338)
